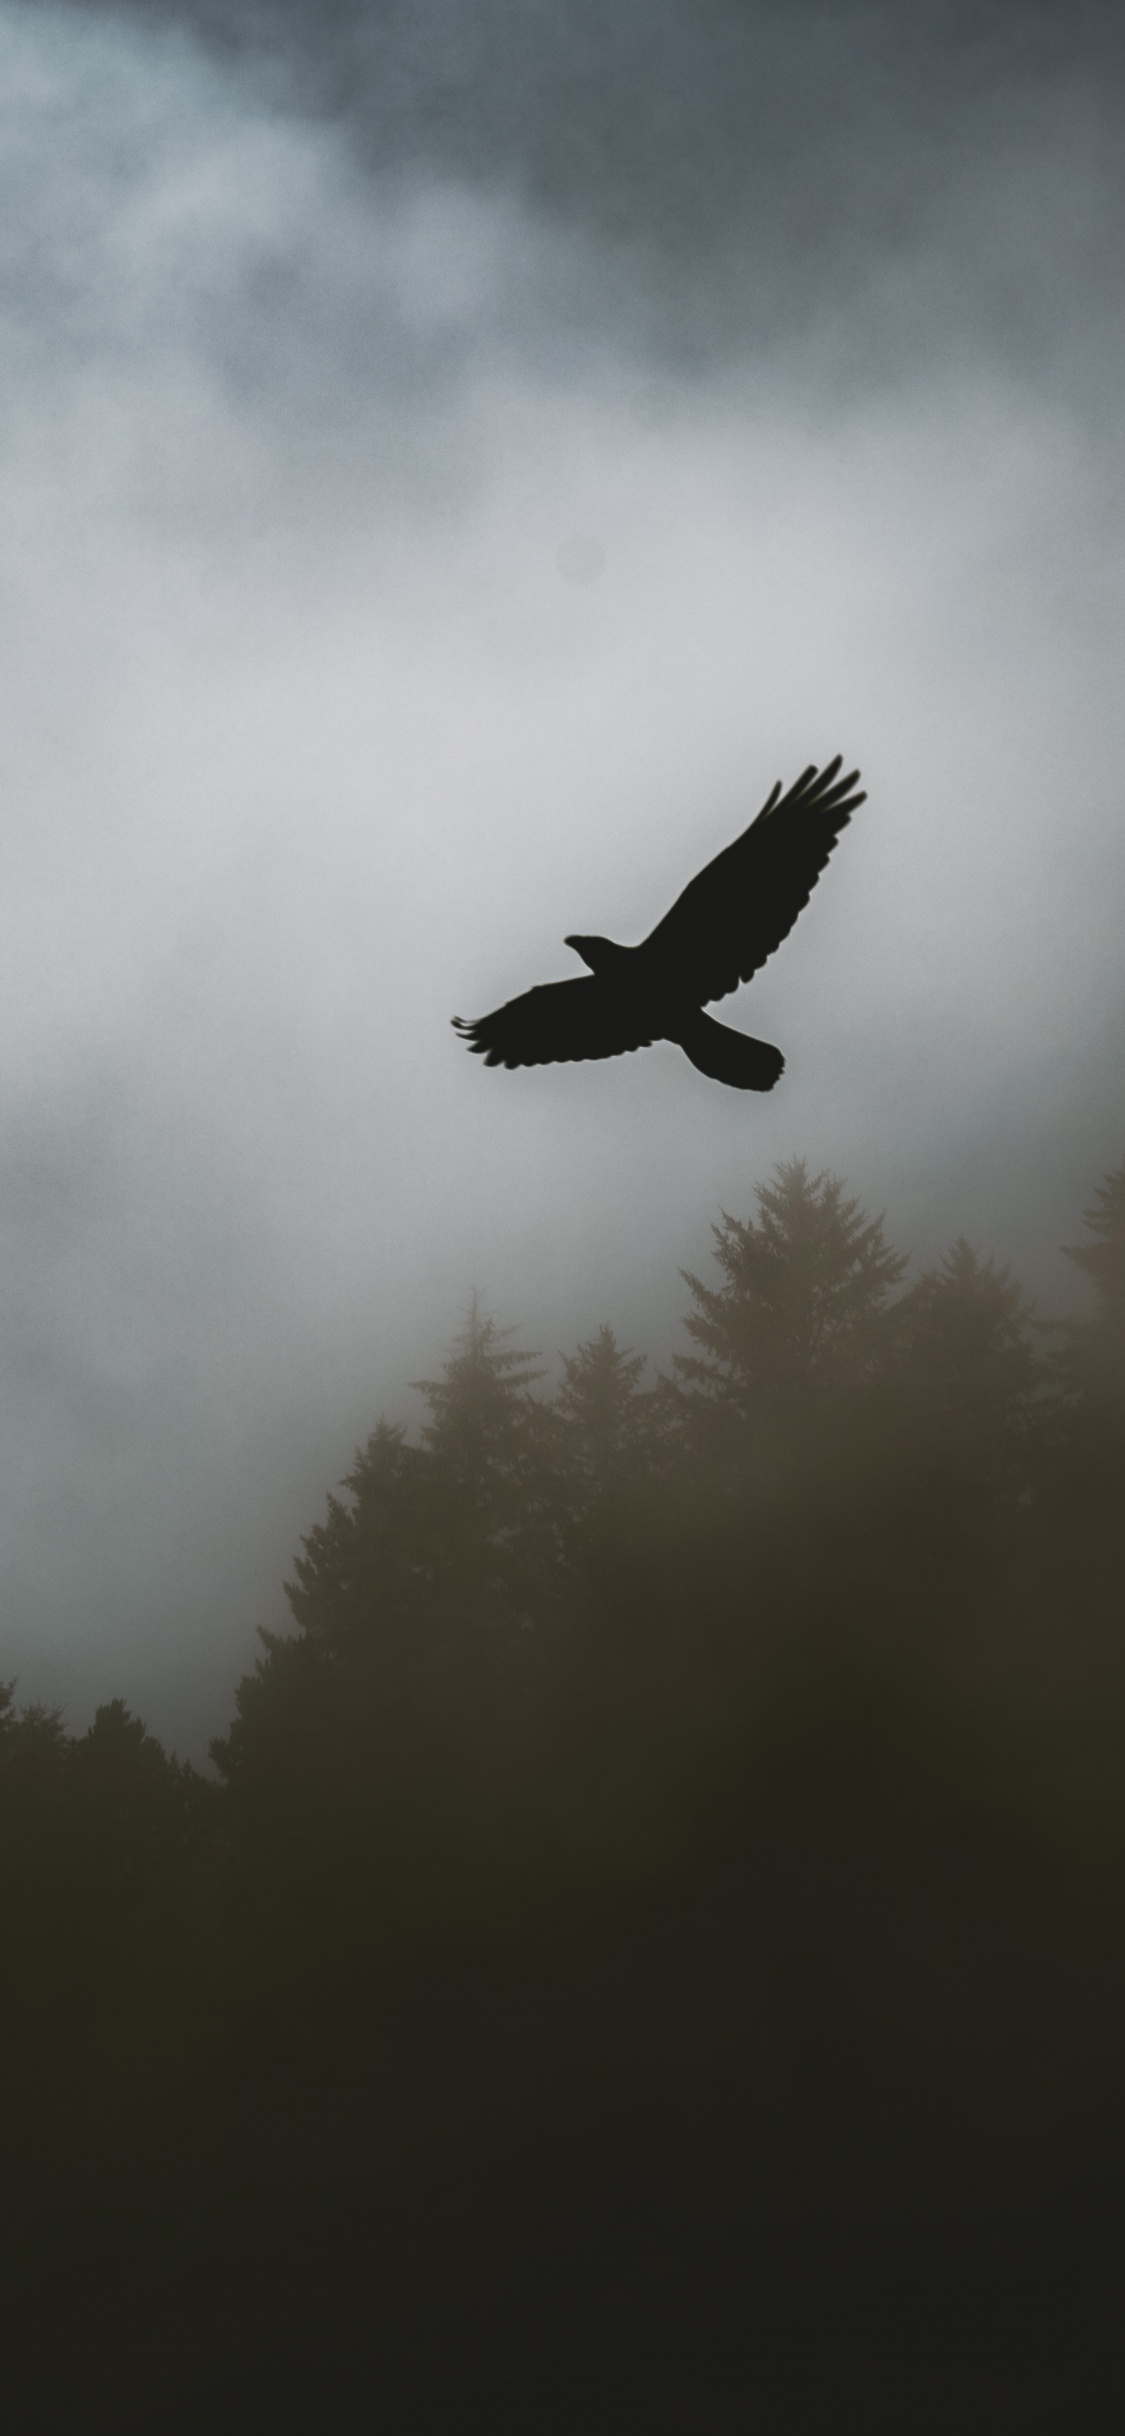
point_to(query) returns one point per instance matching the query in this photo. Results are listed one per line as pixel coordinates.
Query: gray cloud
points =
(315, 378)
(736, 167)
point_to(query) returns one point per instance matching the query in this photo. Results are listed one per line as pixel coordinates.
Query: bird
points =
(720, 930)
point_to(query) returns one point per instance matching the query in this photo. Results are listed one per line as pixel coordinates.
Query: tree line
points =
(734, 1753)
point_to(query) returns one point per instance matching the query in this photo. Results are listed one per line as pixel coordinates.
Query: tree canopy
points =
(679, 1808)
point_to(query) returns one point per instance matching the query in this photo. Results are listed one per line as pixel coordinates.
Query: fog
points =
(443, 488)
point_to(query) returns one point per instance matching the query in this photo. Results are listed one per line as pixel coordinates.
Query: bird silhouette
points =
(720, 931)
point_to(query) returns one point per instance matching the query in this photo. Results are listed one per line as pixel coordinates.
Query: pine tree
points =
(484, 1429)
(428, 1543)
(1089, 1362)
(966, 1372)
(797, 1326)
(607, 1420)
(494, 1447)
(368, 1567)
(1097, 1345)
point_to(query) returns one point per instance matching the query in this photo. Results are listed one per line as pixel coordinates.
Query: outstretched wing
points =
(556, 1023)
(737, 910)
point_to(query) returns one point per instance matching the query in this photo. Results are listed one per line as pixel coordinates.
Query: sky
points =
(452, 462)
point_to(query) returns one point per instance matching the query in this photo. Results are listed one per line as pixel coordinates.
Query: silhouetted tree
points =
(494, 1448)
(482, 1425)
(385, 1598)
(41, 1903)
(134, 1803)
(607, 1422)
(95, 1850)
(35, 1751)
(1089, 1369)
(365, 1600)
(798, 1325)
(1094, 1355)
(371, 1567)
(967, 1377)
(1104, 1259)
(359, 1736)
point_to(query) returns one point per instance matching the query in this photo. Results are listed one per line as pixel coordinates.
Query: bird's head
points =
(602, 955)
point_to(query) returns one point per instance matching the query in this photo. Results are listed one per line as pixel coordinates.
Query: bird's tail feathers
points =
(728, 1056)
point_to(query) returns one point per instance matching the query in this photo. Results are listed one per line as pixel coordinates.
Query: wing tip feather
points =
(469, 1032)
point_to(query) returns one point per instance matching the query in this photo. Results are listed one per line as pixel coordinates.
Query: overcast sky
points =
(454, 459)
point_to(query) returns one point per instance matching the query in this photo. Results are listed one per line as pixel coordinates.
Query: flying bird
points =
(720, 931)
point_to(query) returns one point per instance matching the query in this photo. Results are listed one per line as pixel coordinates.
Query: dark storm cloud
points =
(738, 169)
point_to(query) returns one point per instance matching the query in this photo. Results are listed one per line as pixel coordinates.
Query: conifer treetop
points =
(805, 1285)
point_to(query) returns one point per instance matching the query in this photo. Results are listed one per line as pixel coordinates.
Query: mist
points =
(444, 485)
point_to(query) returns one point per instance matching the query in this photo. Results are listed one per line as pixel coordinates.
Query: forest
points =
(650, 1947)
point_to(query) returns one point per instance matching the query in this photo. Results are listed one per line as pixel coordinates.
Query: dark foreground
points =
(655, 1953)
